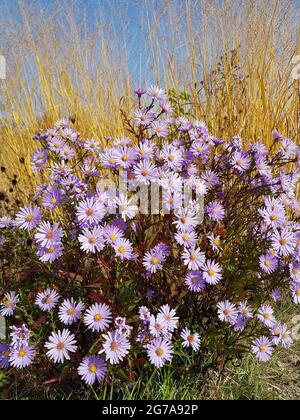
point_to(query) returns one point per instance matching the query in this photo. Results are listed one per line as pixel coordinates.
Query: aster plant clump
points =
(102, 276)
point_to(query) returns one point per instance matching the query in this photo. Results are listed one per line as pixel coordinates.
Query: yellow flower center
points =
(267, 316)
(51, 250)
(53, 201)
(8, 303)
(48, 300)
(50, 235)
(98, 317)
(211, 272)
(171, 158)
(186, 237)
(262, 348)
(22, 353)
(89, 212)
(122, 249)
(145, 172)
(217, 241)
(71, 311)
(283, 241)
(92, 240)
(154, 260)
(297, 292)
(191, 339)
(124, 158)
(93, 368)
(29, 218)
(267, 263)
(159, 352)
(112, 237)
(226, 312)
(6, 353)
(273, 217)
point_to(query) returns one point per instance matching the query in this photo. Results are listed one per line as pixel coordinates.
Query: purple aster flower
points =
(144, 117)
(56, 144)
(158, 325)
(273, 215)
(123, 249)
(39, 159)
(126, 208)
(268, 263)
(186, 239)
(145, 149)
(52, 199)
(140, 91)
(19, 336)
(216, 211)
(266, 316)
(92, 145)
(92, 369)
(112, 234)
(107, 159)
(5, 222)
(60, 345)
(116, 346)
(51, 253)
(4, 355)
(193, 258)
(92, 240)
(70, 311)
(90, 211)
(152, 261)
(195, 281)
(215, 241)
(159, 352)
(294, 268)
(275, 334)
(210, 178)
(48, 235)
(276, 295)
(98, 317)
(160, 129)
(125, 157)
(172, 157)
(211, 272)
(145, 172)
(186, 220)
(169, 316)
(240, 161)
(190, 339)
(21, 357)
(9, 303)
(63, 123)
(67, 152)
(156, 93)
(295, 289)
(47, 299)
(28, 217)
(199, 148)
(283, 241)
(285, 337)
(144, 314)
(227, 312)
(263, 349)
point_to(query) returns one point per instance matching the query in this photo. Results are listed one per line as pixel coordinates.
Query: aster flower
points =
(144, 117)
(145, 149)
(47, 299)
(160, 129)
(215, 241)
(285, 337)
(116, 346)
(266, 315)
(39, 159)
(169, 316)
(90, 211)
(283, 242)
(60, 345)
(107, 159)
(4, 355)
(126, 208)
(294, 268)
(52, 199)
(240, 161)
(112, 234)
(98, 317)
(144, 314)
(28, 217)
(19, 336)
(152, 262)
(186, 220)
(70, 311)
(194, 281)
(56, 144)
(274, 216)
(268, 263)
(5, 222)
(92, 240)
(123, 249)
(295, 289)
(186, 239)
(125, 157)
(51, 253)
(63, 123)
(92, 145)
(156, 93)
(22, 356)
(262, 348)
(92, 369)
(144, 172)
(48, 235)
(172, 157)
(193, 258)
(190, 339)
(67, 152)
(9, 303)
(159, 352)
(275, 334)
(276, 295)
(210, 178)
(215, 211)
(227, 312)
(211, 272)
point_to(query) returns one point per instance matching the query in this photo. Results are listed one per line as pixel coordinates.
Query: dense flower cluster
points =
(101, 252)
